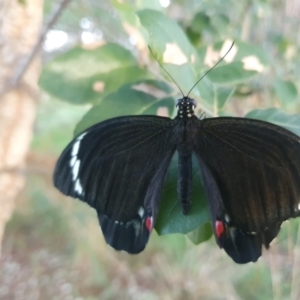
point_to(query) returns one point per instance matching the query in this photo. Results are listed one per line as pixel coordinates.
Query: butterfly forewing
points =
(118, 167)
(253, 171)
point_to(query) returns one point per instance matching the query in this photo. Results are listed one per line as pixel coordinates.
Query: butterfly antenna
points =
(211, 68)
(166, 71)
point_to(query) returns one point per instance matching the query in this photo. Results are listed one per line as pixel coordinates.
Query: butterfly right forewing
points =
(255, 168)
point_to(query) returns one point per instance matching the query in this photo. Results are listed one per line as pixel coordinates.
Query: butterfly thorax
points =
(186, 125)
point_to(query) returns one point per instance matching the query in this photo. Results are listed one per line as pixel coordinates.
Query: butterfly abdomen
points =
(184, 182)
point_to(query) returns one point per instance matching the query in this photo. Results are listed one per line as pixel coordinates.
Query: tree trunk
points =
(20, 24)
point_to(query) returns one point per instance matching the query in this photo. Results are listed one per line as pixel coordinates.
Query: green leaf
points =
(184, 76)
(170, 217)
(117, 78)
(201, 234)
(126, 101)
(167, 104)
(83, 76)
(163, 30)
(222, 94)
(286, 92)
(200, 22)
(231, 73)
(201, 25)
(220, 22)
(127, 10)
(247, 49)
(275, 116)
(213, 96)
(146, 4)
(141, 4)
(156, 84)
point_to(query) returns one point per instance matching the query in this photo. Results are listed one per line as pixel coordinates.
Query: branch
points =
(23, 66)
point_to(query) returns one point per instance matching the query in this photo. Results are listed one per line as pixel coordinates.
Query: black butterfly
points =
(250, 171)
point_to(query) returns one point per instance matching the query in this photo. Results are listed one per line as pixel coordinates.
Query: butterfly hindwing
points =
(240, 246)
(251, 174)
(118, 167)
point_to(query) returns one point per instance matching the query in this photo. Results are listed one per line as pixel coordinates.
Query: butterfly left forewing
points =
(118, 167)
(255, 166)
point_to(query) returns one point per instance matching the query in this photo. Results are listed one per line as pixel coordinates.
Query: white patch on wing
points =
(141, 212)
(227, 219)
(75, 169)
(75, 148)
(72, 161)
(297, 208)
(75, 164)
(81, 136)
(78, 187)
(253, 233)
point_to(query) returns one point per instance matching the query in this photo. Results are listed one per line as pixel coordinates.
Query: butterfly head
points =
(185, 107)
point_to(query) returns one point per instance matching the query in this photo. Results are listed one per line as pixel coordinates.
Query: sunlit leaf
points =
(201, 234)
(170, 217)
(231, 73)
(126, 101)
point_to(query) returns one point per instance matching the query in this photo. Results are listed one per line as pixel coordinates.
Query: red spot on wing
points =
(219, 227)
(149, 223)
